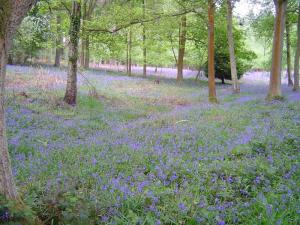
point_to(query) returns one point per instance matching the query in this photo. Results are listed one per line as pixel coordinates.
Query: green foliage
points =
(30, 38)
(14, 212)
(244, 57)
(261, 30)
(222, 63)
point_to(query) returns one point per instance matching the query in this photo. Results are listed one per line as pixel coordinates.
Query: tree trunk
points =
(211, 53)
(12, 15)
(127, 54)
(288, 52)
(297, 55)
(223, 79)
(83, 39)
(7, 186)
(71, 91)
(234, 77)
(59, 42)
(87, 53)
(89, 6)
(144, 42)
(82, 52)
(181, 49)
(129, 51)
(275, 80)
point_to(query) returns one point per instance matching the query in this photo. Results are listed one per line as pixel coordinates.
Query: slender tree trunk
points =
(87, 53)
(12, 14)
(173, 51)
(211, 53)
(127, 54)
(144, 42)
(71, 91)
(181, 49)
(234, 77)
(83, 39)
(275, 80)
(89, 6)
(129, 51)
(297, 55)
(82, 52)
(223, 79)
(198, 73)
(59, 42)
(288, 52)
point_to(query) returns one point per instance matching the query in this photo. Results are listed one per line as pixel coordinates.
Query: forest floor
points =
(136, 152)
(155, 71)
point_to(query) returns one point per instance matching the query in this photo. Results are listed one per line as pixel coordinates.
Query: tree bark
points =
(129, 47)
(87, 52)
(223, 79)
(71, 90)
(173, 51)
(127, 54)
(7, 186)
(288, 52)
(181, 49)
(144, 42)
(89, 6)
(12, 14)
(82, 52)
(212, 96)
(83, 39)
(234, 77)
(59, 42)
(297, 55)
(275, 80)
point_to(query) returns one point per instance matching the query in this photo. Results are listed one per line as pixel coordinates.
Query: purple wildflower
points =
(182, 207)
(221, 222)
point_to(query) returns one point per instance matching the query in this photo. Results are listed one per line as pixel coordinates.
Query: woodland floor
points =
(137, 152)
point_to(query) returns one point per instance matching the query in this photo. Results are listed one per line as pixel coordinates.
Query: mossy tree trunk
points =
(71, 90)
(212, 96)
(275, 79)
(12, 13)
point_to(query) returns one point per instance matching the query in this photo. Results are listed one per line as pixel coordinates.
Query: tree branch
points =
(137, 21)
(66, 7)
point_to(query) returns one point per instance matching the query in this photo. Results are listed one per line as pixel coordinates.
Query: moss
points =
(213, 100)
(5, 10)
(75, 25)
(275, 98)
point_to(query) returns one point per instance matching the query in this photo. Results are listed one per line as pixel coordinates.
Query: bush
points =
(30, 38)
(16, 212)
(244, 57)
(222, 66)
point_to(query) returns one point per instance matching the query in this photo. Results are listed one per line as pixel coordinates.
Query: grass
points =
(142, 153)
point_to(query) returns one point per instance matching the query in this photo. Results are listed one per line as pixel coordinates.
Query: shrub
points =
(222, 66)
